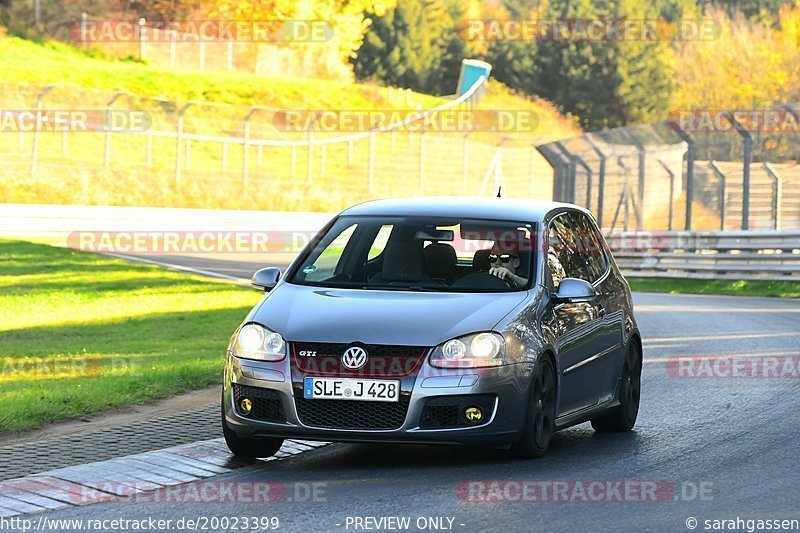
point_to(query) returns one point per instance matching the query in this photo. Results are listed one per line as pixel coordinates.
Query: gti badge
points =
(354, 357)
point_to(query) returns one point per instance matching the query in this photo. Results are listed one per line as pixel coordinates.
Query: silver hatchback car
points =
(481, 321)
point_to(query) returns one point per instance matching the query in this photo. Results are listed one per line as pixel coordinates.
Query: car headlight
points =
(257, 342)
(470, 351)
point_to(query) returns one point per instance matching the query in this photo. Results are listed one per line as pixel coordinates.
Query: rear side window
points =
(575, 250)
(589, 245)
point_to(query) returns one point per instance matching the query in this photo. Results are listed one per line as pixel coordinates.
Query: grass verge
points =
(780, 289)
(80, 333)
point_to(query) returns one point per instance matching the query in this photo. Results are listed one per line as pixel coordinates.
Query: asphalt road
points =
(716, 448)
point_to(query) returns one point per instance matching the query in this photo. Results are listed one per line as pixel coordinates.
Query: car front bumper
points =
(506, 386)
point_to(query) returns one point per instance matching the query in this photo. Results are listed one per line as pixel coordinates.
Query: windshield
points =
(421, 253)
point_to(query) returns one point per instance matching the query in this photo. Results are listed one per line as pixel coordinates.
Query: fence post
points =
(178, 143)
(671, 191)
(37, 129)
(465, 165)
(569, 184)
(202, 55)
(533, 170)
(642, 171)
(172, 50)
(107, 151)
(246, 149)
(777, 198)
(422, 162)
(84, 23)
(310, 156)
(601, 178)
(748, 159)
(371, 159)
(578, 159)
(229, 57)
(142, 37)
(689, 176)
(723, 187)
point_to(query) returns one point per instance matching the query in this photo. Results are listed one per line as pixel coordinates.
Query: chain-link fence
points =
(705, 170)
(208, 155)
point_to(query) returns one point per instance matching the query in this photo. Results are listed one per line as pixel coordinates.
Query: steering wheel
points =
(482, 280)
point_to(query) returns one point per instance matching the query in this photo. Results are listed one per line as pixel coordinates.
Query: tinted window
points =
(575, 250)
(588, 241)
(398, 253)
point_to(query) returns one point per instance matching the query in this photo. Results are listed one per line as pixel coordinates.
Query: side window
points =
(325, 265)
(380, 242)
(564, 251)
(589, 246)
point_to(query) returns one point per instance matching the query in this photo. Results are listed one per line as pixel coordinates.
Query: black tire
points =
(251, 448)
(541, 414)
(623, 417)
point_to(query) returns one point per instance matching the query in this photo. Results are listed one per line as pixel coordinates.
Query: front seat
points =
(480, 261)
(403, 262)
(440, 263)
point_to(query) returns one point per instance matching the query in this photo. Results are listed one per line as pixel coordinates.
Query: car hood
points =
(314, 314)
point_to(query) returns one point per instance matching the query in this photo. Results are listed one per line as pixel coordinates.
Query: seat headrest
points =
(481, 260)
(402, 261)
(440, 260)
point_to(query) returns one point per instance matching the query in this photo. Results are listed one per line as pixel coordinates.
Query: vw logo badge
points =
(354, 357)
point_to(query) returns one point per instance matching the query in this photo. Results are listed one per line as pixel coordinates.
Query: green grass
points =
(71, 167)
(780, 289)
(80, 333)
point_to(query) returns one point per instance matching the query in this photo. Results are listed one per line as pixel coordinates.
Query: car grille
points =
(267, 404)
(448, 411)
(382, 360)
(349, 414)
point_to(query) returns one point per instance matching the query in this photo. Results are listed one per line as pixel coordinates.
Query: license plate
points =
(373, 390)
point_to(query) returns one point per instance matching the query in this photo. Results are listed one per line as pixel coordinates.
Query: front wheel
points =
(623, 417)
(244, 447)
(541, 414)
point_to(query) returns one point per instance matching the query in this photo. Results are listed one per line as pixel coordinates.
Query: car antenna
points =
(499, 191)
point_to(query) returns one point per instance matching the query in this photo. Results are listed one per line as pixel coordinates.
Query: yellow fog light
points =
(473, 415)
(245, 406)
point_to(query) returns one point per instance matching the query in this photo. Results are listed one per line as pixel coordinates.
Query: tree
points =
(405, 47)
(604, 83)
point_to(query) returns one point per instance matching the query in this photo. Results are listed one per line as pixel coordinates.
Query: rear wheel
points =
(623, 417)
(541, 413)
(244, 447)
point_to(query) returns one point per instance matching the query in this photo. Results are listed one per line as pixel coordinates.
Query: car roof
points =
(520, 210)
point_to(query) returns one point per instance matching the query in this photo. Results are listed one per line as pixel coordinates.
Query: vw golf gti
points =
(477, 321)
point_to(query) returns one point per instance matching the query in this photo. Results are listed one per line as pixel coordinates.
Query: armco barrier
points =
(749, 255)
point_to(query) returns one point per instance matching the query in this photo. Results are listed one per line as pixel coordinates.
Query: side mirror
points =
(266, 279)
(573, 290)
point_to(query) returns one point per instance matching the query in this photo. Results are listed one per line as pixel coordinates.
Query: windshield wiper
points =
(414, 288)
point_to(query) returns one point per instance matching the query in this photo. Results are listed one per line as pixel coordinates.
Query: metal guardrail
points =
(746, 255)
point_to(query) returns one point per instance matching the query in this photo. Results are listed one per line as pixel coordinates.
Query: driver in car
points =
(504, 259)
